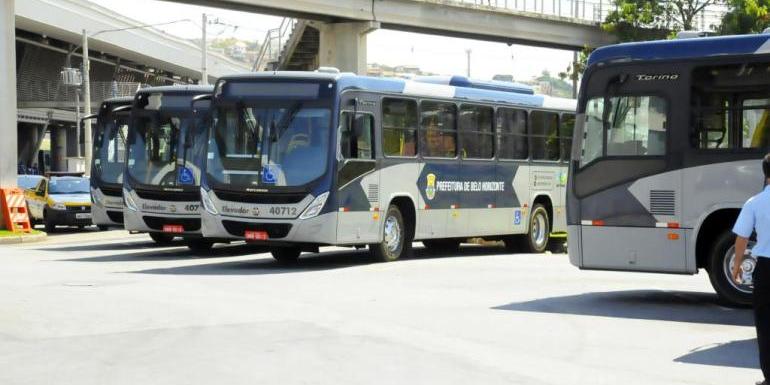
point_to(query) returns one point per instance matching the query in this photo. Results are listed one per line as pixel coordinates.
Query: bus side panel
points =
(358, 220)
(635, 226)
(479, 198)
(434, 184)
(634, 248)
(517, 215)
(543, 181)
(398, 179)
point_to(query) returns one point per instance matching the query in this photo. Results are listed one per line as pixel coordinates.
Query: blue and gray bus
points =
(297, 160)
(666, 151)
(166, 143)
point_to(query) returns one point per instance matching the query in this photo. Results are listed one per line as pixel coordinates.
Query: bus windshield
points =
(166, 149)
(110, 149)
(269, 144)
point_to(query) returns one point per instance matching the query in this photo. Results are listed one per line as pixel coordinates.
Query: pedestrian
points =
(754, 218)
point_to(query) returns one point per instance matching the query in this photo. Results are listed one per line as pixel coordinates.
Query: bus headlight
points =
(208, 204)
(58, 206)
(130, 204)
(315, 206)
(96, 196)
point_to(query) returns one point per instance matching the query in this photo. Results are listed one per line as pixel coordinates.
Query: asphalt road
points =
(110, 308)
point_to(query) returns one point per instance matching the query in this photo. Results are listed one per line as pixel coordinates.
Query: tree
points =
(745, 16)
(635, 20)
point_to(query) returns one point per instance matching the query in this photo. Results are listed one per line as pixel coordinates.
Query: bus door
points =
(629, 204)
(357, 178)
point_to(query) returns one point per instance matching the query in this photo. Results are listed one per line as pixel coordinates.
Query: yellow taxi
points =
(60, 200)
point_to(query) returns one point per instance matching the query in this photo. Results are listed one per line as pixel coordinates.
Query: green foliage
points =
(745, 16)
(634, 20)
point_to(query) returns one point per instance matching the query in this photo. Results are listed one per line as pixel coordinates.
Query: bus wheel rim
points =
(538, 230)
(749, 262)
(392, 234)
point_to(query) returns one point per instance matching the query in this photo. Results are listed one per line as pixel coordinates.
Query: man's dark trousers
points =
(762, 312)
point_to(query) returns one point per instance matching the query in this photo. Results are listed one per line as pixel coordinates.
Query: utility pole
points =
(204, 52)
(468, 68)
(574, 74)
(86, 104)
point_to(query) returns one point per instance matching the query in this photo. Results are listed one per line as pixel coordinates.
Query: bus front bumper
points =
(320, 230)
(187, 226)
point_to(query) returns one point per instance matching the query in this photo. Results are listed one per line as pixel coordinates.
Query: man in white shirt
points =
(755, 217)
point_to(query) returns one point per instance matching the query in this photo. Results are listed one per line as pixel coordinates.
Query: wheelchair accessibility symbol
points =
(269, 174)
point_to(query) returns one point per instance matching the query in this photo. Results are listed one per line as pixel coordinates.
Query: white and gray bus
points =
(166, 148)
(666, 151)
(297, 160)
(108, 162)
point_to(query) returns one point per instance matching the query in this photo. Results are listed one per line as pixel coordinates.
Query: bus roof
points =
(349, 81)
(683, 48)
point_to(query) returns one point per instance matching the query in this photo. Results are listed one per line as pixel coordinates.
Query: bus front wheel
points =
(720, 267)
(161, 238)
(287, 255)
(394, 243)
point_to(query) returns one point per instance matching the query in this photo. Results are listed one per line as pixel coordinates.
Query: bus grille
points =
(112, 192)
(170, 196)
(273, 230)
(265, 198)
(662, 202)
(115, 216)
(156, 223)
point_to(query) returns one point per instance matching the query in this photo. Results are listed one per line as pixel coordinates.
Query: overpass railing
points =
(595, 11)
(54, 92)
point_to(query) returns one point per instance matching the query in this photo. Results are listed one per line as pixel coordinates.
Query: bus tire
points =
(728, 293)
(394, 244)
(199, 244)
(50, 227)
(103, 227)
(161, 238)
(539, 230)
(446, 245)
(286, 255)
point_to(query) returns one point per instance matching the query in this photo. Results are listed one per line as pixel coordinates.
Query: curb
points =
(11, 240)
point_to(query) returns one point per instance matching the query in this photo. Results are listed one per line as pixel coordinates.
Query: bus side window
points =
(356, 136)
(544, 130)
(566, 127)
(439, 129)
(476, 132)
(512, 125)
(399, 127)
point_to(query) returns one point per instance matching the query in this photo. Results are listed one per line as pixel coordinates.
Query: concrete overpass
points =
(441, 17)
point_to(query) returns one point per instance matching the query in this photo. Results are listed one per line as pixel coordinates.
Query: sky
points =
(438, 54)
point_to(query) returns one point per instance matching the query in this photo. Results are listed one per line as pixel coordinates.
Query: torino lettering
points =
(647, 77)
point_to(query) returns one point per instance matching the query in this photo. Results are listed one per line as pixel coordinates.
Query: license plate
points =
(255, 235)
(173, 229)
(83, 216)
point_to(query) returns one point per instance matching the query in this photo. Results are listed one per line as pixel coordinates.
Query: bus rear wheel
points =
(539, 230)
(286, 255)
(394, 243)
(720, 267)
(161, 238)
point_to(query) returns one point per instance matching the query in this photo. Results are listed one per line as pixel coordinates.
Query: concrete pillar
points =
(8, 155)
(58, 148)
(343, 45)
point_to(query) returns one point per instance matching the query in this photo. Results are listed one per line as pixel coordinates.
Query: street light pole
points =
(86, 104)
(204, 53)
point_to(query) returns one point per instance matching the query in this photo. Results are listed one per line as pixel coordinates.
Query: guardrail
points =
(585, 10)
